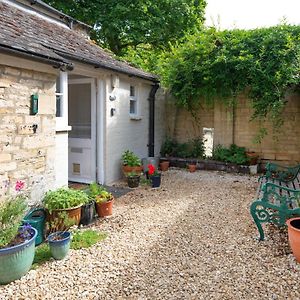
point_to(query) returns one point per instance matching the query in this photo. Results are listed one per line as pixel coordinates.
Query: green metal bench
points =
(278, 196)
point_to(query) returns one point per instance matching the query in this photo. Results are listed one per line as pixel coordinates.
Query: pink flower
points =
(19, 185)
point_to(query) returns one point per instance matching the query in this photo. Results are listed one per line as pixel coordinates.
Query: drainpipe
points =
(151, 119)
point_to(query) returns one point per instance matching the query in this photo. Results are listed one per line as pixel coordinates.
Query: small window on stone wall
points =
(58, 95)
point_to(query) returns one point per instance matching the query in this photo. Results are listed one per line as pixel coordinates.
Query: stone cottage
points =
(68, 109)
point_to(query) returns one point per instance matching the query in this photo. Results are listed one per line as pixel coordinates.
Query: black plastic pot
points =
(156, 180)
(133, 181)
(87, 213)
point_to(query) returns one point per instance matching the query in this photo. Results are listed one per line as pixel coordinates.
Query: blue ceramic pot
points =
(16, 261)
(59, 243)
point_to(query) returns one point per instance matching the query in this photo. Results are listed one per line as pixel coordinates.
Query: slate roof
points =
(28, 35)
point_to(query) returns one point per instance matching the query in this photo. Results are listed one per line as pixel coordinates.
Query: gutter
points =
(58, 64)
(97, 65)
(152, 119)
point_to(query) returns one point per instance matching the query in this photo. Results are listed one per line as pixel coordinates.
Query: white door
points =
(82, 137)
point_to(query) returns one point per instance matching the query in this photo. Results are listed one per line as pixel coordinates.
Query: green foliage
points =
(64, 198)
(130, 159)
(61, 223)
(42, 255)
(119, 24)
(212, 65)
(87, 238)
(233, 154)
(133, 174)
(94, 190)
(192, 149)
(11, 214)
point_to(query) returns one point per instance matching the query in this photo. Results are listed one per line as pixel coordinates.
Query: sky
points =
(229, 14)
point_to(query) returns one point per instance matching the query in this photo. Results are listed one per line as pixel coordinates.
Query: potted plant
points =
(88, 210)
(164, 165)
(133, 179)
(294, 236)
(192, 167)
(64, 200)
(131, 162)
(252, 157)
(17, 243)
(154, 176)
(104, 200)
(59, 241)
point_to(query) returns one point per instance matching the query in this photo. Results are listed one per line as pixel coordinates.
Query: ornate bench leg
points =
(259, 216)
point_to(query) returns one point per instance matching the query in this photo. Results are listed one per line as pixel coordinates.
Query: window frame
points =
(62, 120)
(135, 99)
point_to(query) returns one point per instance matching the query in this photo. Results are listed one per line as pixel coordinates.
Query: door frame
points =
(93, 126)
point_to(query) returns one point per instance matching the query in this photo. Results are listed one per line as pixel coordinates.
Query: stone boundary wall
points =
(236, 127)
(25, 155)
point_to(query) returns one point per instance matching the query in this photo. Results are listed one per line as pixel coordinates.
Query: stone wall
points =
(25, 155)
(234, 126)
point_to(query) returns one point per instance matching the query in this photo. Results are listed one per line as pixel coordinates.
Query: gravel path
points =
(191, 239)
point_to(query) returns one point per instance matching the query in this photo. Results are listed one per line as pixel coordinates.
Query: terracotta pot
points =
(104, 209)
(73, 213)
(192, 168)
(294, 236)
(164, 165)
(253, 157)
(128, 169)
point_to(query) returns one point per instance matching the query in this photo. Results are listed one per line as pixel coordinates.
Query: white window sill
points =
(135, 117)
(63, 128)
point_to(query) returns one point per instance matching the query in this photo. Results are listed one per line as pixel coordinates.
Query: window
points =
(133, 109)
(62, 101)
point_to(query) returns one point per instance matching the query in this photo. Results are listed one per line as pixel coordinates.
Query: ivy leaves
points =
(214, 65)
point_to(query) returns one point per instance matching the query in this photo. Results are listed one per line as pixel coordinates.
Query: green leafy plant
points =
(94, 190)
(133, 174)
(192, 149)
(61, 223)
(104, 196)
(233, 154)
(11, 214)
(63, 198)
(130, 159)
(42, 255)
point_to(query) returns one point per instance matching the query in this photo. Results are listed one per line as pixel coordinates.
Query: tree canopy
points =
(120, 24)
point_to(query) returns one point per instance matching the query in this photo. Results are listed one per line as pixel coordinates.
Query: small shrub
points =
(64, 198)
(11, 214)
(130, 159)
(233, 154)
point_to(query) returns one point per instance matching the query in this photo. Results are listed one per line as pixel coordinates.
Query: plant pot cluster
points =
(134, 169)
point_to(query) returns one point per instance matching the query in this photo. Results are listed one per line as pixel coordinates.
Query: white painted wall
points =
(61, 159)
(122, 132)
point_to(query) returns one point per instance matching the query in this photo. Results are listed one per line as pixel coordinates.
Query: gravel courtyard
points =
(193, 238)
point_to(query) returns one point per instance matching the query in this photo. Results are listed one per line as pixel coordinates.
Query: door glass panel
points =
(80, 110)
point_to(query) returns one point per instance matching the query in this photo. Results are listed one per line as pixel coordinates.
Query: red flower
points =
(151, 169)
(19, 185)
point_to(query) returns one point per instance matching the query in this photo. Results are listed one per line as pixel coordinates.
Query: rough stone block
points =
(4, 157)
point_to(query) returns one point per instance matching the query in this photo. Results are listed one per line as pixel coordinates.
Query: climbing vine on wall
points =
(215, 64)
